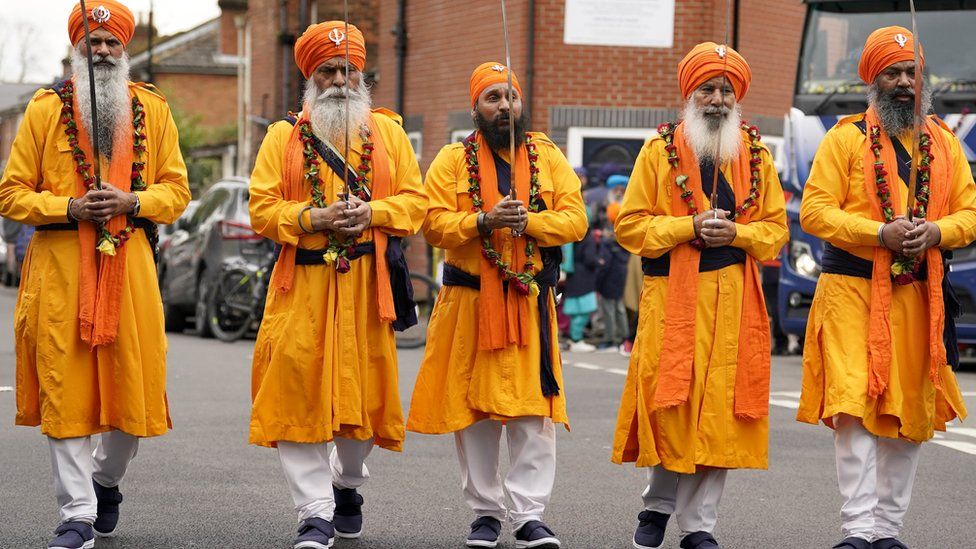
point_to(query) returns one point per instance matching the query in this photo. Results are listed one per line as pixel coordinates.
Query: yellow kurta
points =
(835, 359)
(703, 431)
(458, 384)
(63, 386)
(324, 364)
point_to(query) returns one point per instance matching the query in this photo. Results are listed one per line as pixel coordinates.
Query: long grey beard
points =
(710, 137)
(111, 93)
(327, 111)
(897, 117)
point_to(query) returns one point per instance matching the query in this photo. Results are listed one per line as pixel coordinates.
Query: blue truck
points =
(828, 88)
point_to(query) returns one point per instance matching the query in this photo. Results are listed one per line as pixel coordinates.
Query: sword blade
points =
(97, 162)
(511, 110)
(919, 121)
(717, 163)
(345, 157)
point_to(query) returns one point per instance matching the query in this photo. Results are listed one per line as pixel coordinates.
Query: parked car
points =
(218, 232)
(16, 238)
(166, 232)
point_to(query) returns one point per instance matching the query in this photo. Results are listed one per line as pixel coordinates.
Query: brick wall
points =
(201, 94)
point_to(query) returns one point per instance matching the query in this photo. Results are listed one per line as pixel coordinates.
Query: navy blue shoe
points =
(484, 532)
(536, 535)
(315, 533)
(348, 518)
(699, 540)
(108, 510)
(650, 530)
(853, 543)
(73, 535)
(888, 543)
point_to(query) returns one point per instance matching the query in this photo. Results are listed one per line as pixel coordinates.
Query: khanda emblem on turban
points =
(498, 68)
(721, 51)
(101, 14)
(337, 36)
(901, 39)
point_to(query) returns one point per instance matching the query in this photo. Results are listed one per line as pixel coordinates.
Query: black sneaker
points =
(853, 543)
(73, 535)
(348, 518)
(650, 530)
(315, 533)
(888, 543)
(536, 535)
(484, 532)
(108, 510)
(699, 540)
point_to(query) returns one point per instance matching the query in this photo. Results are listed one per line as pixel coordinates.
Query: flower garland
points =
(904, 270)
(338, 250)
(107, 242)
(666, 131)
(524, 281)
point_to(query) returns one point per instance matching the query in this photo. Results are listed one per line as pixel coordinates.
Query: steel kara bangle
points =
(302, 225)
(483, 229)
(880, 238)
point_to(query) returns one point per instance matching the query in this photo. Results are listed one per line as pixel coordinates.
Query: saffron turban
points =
(102, 14)
(705, 61)
(323, 41)
(885, 47)
(487, 75)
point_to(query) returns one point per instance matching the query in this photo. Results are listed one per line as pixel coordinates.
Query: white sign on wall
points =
(636, 23)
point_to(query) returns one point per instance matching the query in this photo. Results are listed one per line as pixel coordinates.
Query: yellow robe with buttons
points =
(835, 357)
(703, 431)
(62, 385)
(459, 384)
(324, 365)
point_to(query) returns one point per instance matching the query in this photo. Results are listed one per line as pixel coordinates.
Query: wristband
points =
(483, 228)
(302, 225)
(880, 239)
(137, 207)
(68, 212)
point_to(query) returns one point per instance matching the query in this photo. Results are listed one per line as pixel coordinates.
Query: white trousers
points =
(75, 465)
(692, 499)
(531, 474)
(875, 475)
(310, 472)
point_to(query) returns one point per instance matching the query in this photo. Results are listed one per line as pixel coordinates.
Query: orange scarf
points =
(502, 319)
(295, 189)
(879, 336)
(100, 276)
(678, 351)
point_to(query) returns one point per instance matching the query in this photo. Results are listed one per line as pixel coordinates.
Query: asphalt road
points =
(202, 485)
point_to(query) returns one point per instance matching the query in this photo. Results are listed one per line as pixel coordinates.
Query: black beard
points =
(896, 116)
(498, 139)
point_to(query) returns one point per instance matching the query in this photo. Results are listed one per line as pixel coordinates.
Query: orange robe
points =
(703, 431)
(324, 364)
(458, 384)
(62, 385)
(835, 357)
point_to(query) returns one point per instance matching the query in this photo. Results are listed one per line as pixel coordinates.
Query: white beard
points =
(327, 111)
(111, 93)
(708, 141)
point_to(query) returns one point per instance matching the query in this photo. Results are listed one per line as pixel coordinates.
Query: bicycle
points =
(236, 301)
(425, 291)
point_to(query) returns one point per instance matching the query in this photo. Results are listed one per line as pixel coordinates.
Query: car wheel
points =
(200, 316)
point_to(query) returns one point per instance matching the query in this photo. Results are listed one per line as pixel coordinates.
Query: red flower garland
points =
(107, 242)
(904, 270)
(666, 131)
(524, 281)
(337, 250)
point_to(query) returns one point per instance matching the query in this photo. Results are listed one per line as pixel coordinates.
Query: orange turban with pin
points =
(487, 75)
(705, 61)
(102, 14)
(323, 41)
(885, 47)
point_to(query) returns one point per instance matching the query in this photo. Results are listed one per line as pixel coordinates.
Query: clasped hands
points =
(509, 214)
(715, 228)
(349, 218)
(102, 205)
(910, 238)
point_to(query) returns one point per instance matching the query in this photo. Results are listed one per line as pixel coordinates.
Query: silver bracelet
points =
(880, 239)
(302, 225)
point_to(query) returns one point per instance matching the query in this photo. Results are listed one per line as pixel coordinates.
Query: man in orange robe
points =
(875, 365)
(325, 363)
(696, 400)
(91, 348)
(492, 359)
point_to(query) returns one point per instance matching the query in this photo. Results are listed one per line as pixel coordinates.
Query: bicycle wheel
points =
(424, 295)
(229, 304)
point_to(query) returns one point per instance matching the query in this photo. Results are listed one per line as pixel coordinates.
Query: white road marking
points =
(969, 393)
(782, 403)
(964, 431)
(6, 389)
(584, 366)
(791, 394)
(965, 447)
(617, 371)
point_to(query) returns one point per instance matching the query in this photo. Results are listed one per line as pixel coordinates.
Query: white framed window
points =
(416, 142)
(579, 140)
(458, 136)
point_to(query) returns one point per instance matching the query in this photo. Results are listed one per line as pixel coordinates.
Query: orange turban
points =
(613, 211)
(885, 47)
(102, 14)
(487, 75)
(323, 41)
(705, 62)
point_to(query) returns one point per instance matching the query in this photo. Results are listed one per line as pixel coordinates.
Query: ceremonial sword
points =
(345, 157)
(94, 108)
(511, 107)
(717, 163)
(919, 122)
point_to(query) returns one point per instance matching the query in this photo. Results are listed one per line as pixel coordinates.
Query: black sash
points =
(547, 279)
(904, 158)
(335, 163)
(712, 259)
(147, 226)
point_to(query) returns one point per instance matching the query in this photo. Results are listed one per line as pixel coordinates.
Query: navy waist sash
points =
(712, 259)
(147, 226)
(841, 262)
(547, 279)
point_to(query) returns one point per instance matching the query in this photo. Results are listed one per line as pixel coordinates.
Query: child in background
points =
(611, 280)
(579, 298)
